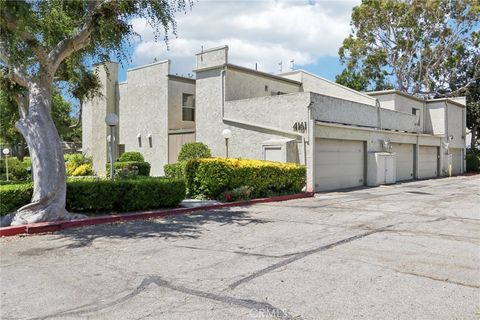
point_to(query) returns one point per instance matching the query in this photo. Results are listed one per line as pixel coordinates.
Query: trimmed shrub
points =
(473, 160)
(14, 196)
(78, 165)
(124, 195)
(211, 177)
(93, 195)
(143, 168)
(175, 170)
(193, 150)
(131, 156)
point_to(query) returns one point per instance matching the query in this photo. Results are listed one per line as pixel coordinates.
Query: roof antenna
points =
(280, 64)
(256, 67)
(201, 54)
(292, 64)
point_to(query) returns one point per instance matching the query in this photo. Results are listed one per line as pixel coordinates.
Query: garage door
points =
(456, 160)
(404, 160)
(427, 162)
(339, 164)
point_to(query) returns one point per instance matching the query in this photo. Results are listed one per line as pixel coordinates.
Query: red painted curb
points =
(43, 227)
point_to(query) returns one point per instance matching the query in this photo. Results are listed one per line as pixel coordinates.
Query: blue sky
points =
(263, 32)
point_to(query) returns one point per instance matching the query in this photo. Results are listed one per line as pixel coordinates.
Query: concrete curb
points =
(43, 227)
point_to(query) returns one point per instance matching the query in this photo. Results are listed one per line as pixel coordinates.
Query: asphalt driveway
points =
(408, 251)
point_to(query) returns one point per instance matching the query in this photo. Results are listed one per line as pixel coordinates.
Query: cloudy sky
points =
(265, 32)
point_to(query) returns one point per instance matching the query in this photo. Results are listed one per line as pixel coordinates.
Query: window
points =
(416, 112)
(188, 107)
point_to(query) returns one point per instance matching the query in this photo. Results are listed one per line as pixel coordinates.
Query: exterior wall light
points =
(227, 134)
(149, 137)
(111, 120)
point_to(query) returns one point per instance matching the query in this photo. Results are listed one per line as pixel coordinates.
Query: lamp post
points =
(6, 152)
(111, 120)
(227, 134)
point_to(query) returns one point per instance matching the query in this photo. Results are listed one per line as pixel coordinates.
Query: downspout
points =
(379, 114)
(246, 123)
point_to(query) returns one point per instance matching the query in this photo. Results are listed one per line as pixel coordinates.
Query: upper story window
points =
(188, 107)
(416, 112)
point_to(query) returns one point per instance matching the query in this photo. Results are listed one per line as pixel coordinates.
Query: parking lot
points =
(406, 251)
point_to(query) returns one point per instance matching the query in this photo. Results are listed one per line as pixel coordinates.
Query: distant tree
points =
(61, 111)
(415, 46)
(42, 42)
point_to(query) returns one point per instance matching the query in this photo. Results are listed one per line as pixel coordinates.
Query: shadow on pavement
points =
(179, 226)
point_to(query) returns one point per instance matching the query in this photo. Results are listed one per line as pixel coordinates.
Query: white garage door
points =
(427, 162)
(404, 160)
(339, 164)
(456, 161)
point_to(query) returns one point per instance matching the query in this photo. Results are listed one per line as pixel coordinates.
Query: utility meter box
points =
(282, 150)
(381, 168)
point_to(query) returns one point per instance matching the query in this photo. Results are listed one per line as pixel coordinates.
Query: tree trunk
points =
(48, 165)
(474, 131)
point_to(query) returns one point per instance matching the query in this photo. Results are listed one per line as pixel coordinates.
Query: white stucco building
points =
(344, 137)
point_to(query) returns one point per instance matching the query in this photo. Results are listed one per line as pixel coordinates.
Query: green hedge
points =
(175, 170)
(90, 195)
(213, 176)
(193, 150)
(131, 156)
(473, 160)
(142, 167)
(14, 196)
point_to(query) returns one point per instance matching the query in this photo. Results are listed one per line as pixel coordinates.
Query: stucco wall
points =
(245, 85)
(176, 89)
(456, 125)
(94, 129)
(212, 57)
(435, 118)
(313, 83)
(143, 110)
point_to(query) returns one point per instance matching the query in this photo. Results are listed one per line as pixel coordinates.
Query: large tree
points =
(42, 42)
(415, 46)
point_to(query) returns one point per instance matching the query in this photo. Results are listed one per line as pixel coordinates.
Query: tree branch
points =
(22, 103)
(79, 40)
(79, 120)
(15, 73)
(40, 52)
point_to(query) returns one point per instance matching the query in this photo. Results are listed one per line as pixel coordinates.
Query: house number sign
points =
(300, 126)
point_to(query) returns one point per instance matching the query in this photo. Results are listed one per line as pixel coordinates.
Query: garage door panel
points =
(338, 164)
(427, 162)
(404, 160)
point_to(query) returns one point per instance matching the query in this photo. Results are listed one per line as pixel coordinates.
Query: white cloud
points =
(263, 32)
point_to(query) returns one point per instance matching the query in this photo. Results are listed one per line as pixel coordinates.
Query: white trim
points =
(147, 65)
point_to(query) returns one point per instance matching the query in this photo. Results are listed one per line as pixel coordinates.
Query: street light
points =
(227, 134)
(111, 120)
(6, 151)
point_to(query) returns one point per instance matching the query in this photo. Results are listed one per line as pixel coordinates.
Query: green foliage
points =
(14, 196)
(78, 165)
(131, 156)
(175, 170)
(473, 160)
(124, 195)
(90, 195)
(61, 110)
(194, 150)
(211, 177)
(242, 193)
(419, 46)
(143, 168)
(17, 170)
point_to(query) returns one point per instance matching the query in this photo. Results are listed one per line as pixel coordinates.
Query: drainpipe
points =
(379, 114)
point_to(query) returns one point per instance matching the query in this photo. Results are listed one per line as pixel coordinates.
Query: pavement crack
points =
(258, 306)
(302, 255)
